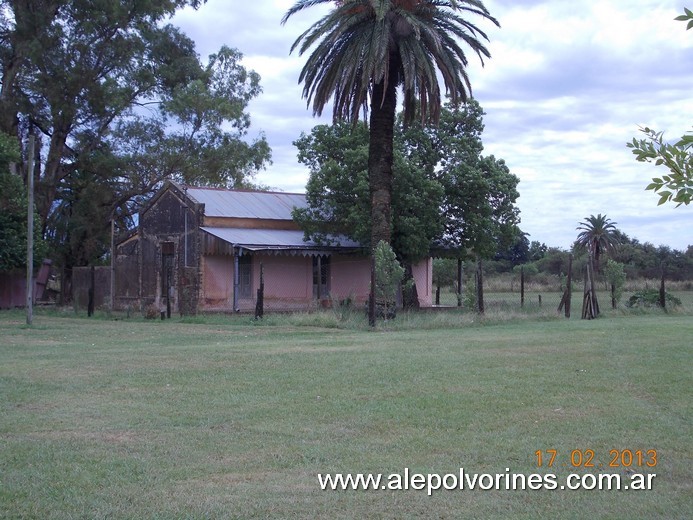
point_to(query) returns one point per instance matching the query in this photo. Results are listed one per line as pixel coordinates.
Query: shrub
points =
(650, 298)
(388, 276)
(616, 275)
(151, 312)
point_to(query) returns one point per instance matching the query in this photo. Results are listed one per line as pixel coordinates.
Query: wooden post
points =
(371, 296)
(236, 280)
(590, 309)
(30, 234)
(112, 299)
(319, 288)
(569, 286)
(92, 282)
(595, 301)
(459, 282)
(568, 291)
(522, 286)
(260, 303)
(437, 294)
(480, 287)
(662, 292)
(586, 294)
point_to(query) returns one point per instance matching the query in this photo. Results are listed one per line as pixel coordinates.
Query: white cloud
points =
(566, 87)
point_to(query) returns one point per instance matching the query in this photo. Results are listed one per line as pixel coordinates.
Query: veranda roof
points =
(280, 240)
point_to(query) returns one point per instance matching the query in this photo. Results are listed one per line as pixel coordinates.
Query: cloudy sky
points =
(568, 84)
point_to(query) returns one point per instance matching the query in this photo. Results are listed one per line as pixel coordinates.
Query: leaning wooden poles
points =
(590, 306)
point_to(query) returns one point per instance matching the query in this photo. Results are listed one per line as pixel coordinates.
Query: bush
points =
(650, 298)
(388, 276)
(616, 275)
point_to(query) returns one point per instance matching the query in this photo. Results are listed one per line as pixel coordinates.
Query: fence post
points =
(567, 292)
(30, 234)
(522, 286)
(371, 296)
(590, 308)
(236, 280)
(569, 287)
(662, 292)
(260, 303)
(459, 282)
(319, 287)
(594, 289)
(90, 303)
(480, 287)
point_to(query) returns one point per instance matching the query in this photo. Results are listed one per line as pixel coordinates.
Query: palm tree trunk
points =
(380, 157)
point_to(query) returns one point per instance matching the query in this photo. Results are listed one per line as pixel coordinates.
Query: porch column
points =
(236, 279)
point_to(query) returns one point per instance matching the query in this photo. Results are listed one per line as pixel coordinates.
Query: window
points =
(244, 276)
(321, 277)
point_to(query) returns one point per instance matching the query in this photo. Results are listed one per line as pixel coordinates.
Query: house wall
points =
(289, 281)
(423, 277)
(217, 285)
(350, 278)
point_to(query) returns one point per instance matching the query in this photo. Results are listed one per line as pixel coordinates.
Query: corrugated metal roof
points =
(247, 204)
(274, 239)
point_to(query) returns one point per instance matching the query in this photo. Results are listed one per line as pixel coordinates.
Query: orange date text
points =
(587, 458)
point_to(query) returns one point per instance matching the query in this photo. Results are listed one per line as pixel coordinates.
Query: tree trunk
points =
(380, 158)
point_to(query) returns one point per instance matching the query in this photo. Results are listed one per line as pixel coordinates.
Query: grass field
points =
(220, 417)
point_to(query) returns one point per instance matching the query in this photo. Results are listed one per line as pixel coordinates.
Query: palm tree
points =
(366, 49)
(598, 234)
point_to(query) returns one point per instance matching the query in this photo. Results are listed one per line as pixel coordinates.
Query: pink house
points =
(203, 249)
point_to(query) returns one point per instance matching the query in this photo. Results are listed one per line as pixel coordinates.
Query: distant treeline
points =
(640, 260)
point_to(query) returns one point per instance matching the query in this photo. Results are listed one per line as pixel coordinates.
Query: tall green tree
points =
(338, 195)
(444, 190)
(364, 50)
(119, 100)
(13, 213)
(480, 191)
(597, 235)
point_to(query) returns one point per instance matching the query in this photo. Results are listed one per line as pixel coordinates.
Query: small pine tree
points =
(388, 276)
(616, 276)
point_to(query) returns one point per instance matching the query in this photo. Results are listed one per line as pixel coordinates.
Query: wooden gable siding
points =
(170, 224)
(250, 223)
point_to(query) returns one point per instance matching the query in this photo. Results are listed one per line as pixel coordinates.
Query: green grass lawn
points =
(223, 418)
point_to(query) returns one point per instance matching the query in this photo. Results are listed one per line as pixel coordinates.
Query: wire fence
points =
(505, 292)
(267, 282)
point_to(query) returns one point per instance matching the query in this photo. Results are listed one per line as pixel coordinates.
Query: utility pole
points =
(30, 234)
(112, 260)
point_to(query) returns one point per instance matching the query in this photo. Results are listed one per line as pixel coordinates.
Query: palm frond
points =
(411, 43)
